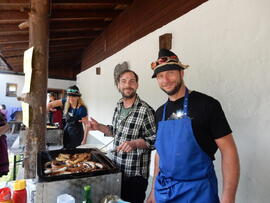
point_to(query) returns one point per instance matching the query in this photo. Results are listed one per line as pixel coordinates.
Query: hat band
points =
(74, 94)
(166, 67)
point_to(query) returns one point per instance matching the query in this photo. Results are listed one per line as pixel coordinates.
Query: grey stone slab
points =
(47, 192)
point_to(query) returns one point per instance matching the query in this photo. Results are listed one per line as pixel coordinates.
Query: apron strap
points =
(185, 106)
(164, 111)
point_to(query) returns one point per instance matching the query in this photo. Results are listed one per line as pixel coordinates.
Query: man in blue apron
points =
(191, 126)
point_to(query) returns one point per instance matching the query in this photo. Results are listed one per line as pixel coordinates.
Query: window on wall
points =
(11, 90)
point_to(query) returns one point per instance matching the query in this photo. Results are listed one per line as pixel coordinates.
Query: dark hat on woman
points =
(167, 60)
(73, 91)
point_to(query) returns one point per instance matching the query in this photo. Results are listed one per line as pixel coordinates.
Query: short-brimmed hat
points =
(73, 91)
(167, 60)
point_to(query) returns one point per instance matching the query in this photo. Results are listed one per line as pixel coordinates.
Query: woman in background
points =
(75, 133)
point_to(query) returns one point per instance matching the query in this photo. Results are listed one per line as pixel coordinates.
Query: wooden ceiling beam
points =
(14, 15)
(67, 44)
(64, 50)
(80, 6)
(107, 19)
(67, 5)
(14, 56)
(63, 15)
(70, 42)
(13, 38)
(79, 24)
(90, 34)
(14, 30)
(69, 52)
(59, 27)
(71, 38)
(8, 53)
(14, 6)
(82, 29)
(94, 2)
(63, 59)
(14, 33)
(14, 47)
(15, 61)
(13, 42)
(11, 21)
(83, 14)
(9, 27)
(22, 49)
(73, 25)
(61, 62)
(17, 68)
(17, 1)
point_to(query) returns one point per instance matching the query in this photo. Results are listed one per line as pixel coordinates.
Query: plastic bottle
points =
(5, 195)
(65, 198)
(19, 193)
(87, 194)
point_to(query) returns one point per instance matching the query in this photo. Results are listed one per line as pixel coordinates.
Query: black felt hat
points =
(165, 52)
(73, 91)
(172, 63)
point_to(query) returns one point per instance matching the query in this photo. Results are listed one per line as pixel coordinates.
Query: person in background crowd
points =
(3, 110)
(75, 133)
(191, 126)
(55, 114)
(50, 113)
(133, 129)
(4, 163)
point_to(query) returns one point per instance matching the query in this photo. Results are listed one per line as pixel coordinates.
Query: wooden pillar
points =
(39, 39)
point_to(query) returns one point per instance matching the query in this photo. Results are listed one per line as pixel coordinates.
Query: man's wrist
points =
(136, 144)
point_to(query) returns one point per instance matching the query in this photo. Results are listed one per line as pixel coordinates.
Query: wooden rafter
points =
(74, 24)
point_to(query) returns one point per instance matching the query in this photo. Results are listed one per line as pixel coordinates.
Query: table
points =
(18, 148)
(101, 186)
(54, 136)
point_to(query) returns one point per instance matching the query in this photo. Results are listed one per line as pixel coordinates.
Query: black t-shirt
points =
(207, 118)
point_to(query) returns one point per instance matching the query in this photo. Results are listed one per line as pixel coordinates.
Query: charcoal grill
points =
(96, 155)
(103, 181)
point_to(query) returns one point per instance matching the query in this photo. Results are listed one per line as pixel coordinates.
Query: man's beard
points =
(175, 90)
(131, 95)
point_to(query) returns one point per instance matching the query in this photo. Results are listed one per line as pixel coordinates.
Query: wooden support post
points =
(38, 37)
(165, 41)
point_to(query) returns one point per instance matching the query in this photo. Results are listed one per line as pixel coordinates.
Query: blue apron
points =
(186, 172)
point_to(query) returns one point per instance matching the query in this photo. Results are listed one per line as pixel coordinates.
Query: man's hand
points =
(83, 142)
(91, 124)
(52, 110)
(151, 197)
(127, 146)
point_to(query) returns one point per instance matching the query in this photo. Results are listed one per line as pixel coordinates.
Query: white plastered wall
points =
(227, 45)
(19, 80)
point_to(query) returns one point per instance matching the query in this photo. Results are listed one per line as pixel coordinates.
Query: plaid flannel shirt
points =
(138, 124)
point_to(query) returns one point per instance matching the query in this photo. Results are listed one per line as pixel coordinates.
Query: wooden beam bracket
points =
(24, 25)
(25, 98)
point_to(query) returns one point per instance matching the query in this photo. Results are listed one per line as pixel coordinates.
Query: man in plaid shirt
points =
(133, 129)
